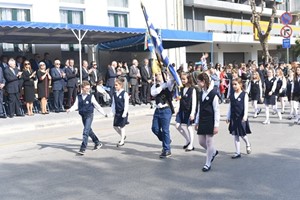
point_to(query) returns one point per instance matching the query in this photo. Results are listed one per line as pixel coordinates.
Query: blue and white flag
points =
(159, 50)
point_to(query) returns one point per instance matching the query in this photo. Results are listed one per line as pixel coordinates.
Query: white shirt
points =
(94, 102)
(215, 106)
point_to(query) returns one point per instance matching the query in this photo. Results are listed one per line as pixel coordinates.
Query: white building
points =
(118, 13)
(233, 38)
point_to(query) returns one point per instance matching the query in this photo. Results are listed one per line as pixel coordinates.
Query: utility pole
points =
(287, 49)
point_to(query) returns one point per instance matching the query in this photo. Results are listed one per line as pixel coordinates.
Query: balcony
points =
(234, 5)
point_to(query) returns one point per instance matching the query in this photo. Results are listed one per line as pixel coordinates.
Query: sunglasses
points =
(26, 63)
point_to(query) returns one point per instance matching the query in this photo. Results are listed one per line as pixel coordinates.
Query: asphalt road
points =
(43, 164)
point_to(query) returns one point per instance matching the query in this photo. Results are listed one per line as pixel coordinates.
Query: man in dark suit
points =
(111, 77)
(3, 62)
(95, 75)
(2, 84)
(85, 71)
(58, 83)
(12, 75)
(35, 62)
(134, 75)
(146, 73)
(72, 82)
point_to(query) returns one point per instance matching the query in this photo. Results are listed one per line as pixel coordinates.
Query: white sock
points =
(122, 135)
(255, 106)
(246, 140)
(210, 150)
(237, 144)
(182, 132)
(282, 104)
(191, 136)
(117, 129)
(202, 141)
(267, 113)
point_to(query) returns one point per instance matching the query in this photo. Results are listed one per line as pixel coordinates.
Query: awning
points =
(58, 33)
(170, 39)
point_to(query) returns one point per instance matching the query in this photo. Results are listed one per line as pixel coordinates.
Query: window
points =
(15, 15)
(117, 3)
(118, 20)
(72, 1)
(71, 17)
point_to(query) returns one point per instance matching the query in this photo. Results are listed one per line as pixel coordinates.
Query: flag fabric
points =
(147, 42)
(158, 47)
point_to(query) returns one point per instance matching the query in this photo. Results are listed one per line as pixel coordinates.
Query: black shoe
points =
(81, 152)
(97, 146)
(235, 156)
(3, 116)
(20, 115)
(57, 111)
(120, 144)
(212, 159)
(206, 168)
(187, 150)
(11, 116)
(259, 111)
(165, 154)
(185, 146)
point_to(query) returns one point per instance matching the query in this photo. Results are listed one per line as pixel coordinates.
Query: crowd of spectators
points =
(28, 87)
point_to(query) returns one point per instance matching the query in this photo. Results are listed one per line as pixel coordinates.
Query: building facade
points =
(233, 33)
(118, 13)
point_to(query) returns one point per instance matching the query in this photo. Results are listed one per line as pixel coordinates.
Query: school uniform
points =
(296, 90)
(270, 85)
(236, 114)
(85, 104)
(208, 116)
(119, 108)
(255, 90)
(289, 84)
(186, 106)
(163, 114)
(280, 86)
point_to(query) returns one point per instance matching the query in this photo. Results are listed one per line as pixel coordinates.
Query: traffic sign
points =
(286, 43)
(286, 31)
(286, 18)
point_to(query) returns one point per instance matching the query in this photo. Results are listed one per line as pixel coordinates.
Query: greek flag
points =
(159, 50)
(147, 43)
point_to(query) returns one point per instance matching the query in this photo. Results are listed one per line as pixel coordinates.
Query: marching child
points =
(296, 93)
(162, 92)
(270, 86)
(237, 117)
(255, 89)
(289, 85)
(207, 118)
(280, 91)
(85, 104)
(187, 109)
(120, 104)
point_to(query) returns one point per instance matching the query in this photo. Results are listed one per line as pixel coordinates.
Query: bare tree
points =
(263, 35)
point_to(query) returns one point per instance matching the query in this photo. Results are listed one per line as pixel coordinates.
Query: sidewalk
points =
(39, 121)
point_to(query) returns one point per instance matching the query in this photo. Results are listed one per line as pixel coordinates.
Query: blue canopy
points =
(59, 33)
(170, 39)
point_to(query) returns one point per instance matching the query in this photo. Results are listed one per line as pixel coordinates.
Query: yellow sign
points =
(264, 27)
